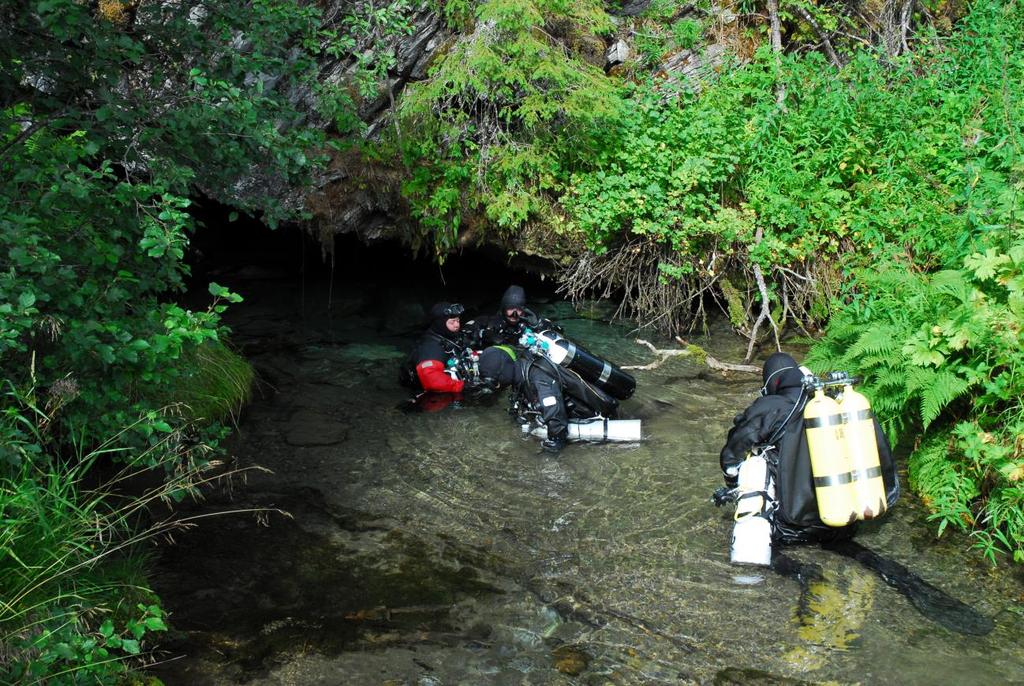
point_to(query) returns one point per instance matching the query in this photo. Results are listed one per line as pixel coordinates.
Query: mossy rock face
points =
(551, 239)
(589, 48)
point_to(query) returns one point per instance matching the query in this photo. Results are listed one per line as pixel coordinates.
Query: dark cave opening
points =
(225, 247)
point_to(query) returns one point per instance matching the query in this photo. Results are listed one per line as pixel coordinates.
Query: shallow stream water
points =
(443, 548)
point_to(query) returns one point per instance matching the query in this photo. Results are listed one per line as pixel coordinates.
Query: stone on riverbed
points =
(308, 429)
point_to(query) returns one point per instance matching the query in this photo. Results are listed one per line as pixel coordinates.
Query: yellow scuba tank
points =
(829, 462)
(858, 430)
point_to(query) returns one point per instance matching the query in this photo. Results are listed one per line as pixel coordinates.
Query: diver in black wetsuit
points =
(541, 387)
(427, 364)
(505, 327)
(776, 419)
(537, 381)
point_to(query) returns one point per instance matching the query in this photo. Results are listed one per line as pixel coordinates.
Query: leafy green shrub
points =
(100, 150)
(829, 181)
(894, 182)
(76, 606)
(686, 33)
(489, 131)
(937, 331)
(942, 357)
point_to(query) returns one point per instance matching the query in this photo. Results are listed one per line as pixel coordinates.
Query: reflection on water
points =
(445, 548)
(830, 616)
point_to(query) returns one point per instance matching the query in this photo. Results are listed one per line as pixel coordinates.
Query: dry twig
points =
(686, 351)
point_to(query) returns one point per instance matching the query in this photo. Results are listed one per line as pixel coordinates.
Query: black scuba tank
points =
(560, 350)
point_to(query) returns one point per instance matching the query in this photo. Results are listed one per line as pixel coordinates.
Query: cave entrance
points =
(250, 257)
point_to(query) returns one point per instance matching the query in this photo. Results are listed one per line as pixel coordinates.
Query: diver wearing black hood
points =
(542, 387)
(776, 418)
(537, 380)
(441, 342)
(505, 327)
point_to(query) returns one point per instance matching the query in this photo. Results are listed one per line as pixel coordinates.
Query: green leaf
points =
(986, 266)
(217, 290)
(155, 624)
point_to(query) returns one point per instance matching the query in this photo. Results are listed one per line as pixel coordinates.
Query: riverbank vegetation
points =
(112, 116)
(847, 175)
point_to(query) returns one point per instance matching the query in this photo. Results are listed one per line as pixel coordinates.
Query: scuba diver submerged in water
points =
(507, 326)
(791, 496)
(559, 390)
(546, 397)
(535, 386)
(428, 364)
(802, 467)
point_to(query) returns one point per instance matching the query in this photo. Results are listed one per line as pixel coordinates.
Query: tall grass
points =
(74, 605)
(214, 383)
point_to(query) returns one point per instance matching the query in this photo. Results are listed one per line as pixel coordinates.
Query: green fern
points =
(952, 282)
(944, 389)
(877, 340)
(918, 379)
(890, 377)
(945, 488)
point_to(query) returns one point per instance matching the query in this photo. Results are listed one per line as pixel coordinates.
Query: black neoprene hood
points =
(514, 296)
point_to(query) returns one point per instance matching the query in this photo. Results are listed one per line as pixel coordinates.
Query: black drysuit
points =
(776, 418)
(496, 329)
(559, 394)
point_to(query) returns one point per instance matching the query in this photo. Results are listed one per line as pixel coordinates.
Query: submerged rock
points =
(308, 429)
(570, 660)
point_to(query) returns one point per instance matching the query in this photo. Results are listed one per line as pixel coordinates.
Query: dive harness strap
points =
(847, 477)
(451, 347)
(839, 418)
(767, 453)
(766, 513)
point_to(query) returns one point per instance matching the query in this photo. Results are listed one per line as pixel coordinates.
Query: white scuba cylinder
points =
(601, 429)
(596, 430)
(752, 531)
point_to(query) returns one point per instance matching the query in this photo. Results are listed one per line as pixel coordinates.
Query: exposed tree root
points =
(634, 271)
(669, 292)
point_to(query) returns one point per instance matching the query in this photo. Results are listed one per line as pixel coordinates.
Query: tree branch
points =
(766, 312)
(776, 24)
(820, 33)
(689, 350)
